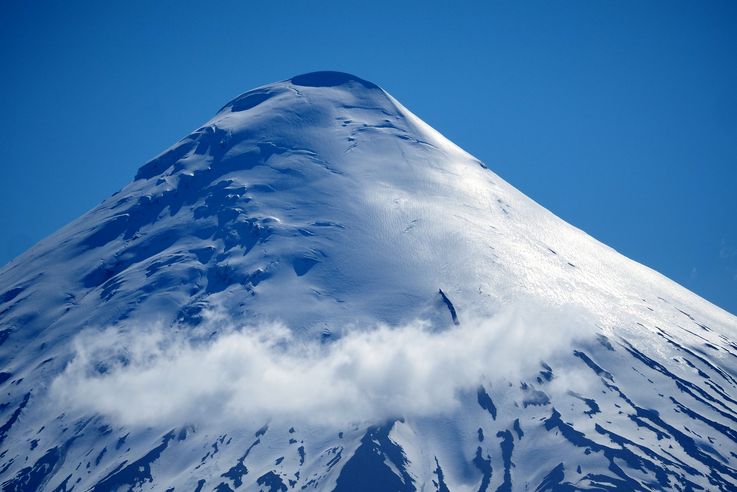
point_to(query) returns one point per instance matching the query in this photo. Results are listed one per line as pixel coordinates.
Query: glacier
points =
(315, 290)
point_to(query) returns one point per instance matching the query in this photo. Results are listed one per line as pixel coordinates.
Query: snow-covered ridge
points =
(322, 206)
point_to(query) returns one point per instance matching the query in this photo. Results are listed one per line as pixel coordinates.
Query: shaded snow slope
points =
(522, 353)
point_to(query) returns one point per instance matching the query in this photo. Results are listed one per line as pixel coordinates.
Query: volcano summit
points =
(316, 290)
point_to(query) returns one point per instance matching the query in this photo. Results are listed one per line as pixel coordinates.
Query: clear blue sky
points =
(620, 117)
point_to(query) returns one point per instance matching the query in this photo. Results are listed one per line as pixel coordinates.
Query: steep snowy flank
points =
(316, 290)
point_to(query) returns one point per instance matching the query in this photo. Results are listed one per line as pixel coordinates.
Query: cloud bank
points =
(151, 375)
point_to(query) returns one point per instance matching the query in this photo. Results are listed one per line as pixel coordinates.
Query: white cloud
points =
(154, 375)
(726, 251)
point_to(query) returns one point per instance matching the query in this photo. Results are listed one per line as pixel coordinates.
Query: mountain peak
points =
(330, 79)
(312, 83)
(321, 112)
(317, 257)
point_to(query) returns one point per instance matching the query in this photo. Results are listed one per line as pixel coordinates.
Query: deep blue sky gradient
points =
(620, 117)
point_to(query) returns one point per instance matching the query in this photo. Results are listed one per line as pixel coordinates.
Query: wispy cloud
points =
(726, 251)
(266, 372)
(728, 255)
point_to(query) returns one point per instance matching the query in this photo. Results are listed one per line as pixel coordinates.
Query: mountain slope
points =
(451, 334)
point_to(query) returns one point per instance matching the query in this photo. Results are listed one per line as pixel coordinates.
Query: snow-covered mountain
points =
(316, 290)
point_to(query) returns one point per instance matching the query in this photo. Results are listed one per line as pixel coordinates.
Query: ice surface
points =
(323, 206)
